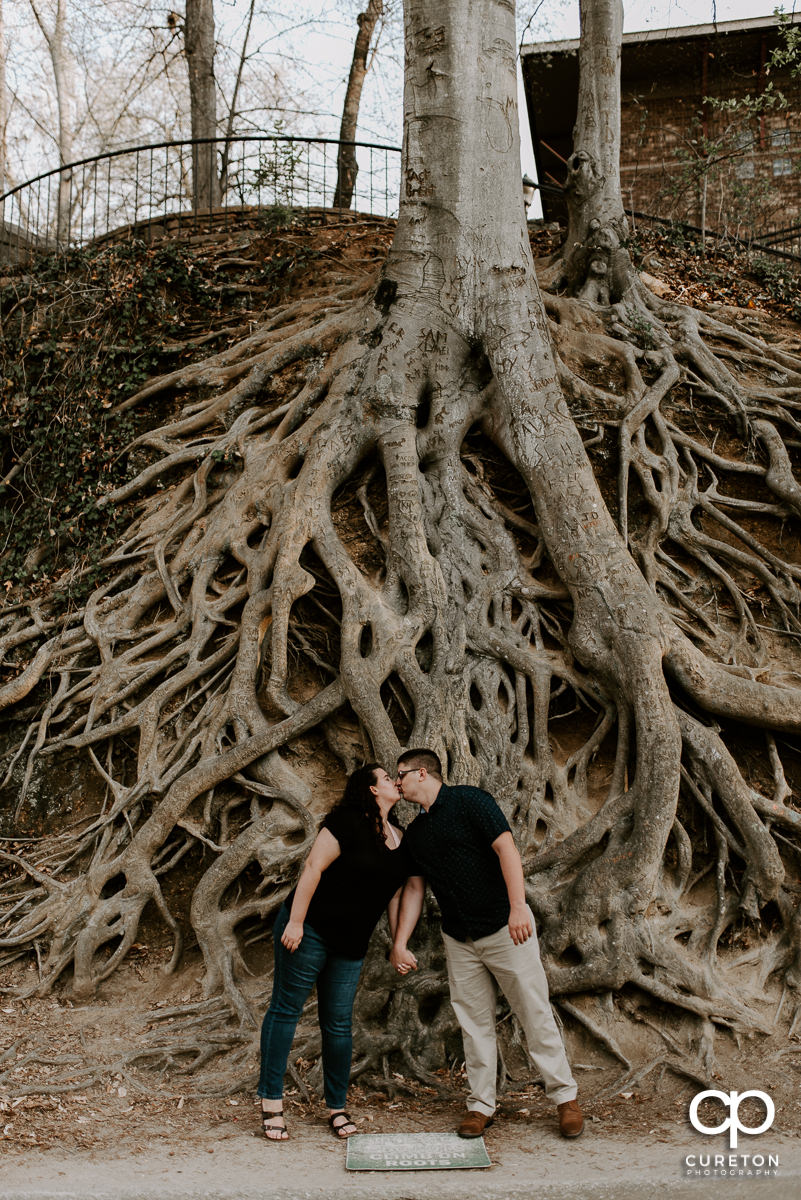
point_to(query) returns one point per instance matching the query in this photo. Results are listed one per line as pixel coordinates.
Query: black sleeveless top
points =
(356, 888)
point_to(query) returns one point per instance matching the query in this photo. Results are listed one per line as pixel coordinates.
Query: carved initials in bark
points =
(595, 267)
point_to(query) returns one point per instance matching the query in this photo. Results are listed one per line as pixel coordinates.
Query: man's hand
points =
(520, 924)
(402, 959)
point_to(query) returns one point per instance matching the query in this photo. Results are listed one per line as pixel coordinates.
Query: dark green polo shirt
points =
(451, 846)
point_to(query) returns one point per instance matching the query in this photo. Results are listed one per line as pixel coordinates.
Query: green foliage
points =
(780, 280)
(78, 333)
(285, 260)
(749, 106)
(641, 328)
(275, 217)
(788, 54)
(276, 175)
(677, 234)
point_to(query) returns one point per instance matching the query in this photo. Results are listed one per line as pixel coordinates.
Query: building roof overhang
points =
(679, 33)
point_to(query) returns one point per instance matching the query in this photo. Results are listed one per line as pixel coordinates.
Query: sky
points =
(328, 50)
(330, 47)
(645, 15)
(311, 43)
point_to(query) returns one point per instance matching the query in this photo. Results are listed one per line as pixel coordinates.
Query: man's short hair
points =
(415, 759)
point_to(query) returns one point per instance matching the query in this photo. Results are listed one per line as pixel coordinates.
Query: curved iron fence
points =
(143, 188)
(136, 187)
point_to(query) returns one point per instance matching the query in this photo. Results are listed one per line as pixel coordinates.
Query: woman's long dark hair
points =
(358, 799)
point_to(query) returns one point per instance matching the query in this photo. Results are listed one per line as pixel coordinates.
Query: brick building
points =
(680, 156)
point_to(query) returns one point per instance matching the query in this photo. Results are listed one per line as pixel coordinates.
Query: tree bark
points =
(596, 219)
(199, 44)
(463, 273)
(347, 166)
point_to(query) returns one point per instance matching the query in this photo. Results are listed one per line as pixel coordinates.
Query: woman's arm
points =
(324, 851)
(393, 909)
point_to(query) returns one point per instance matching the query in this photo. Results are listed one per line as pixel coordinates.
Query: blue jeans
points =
(294, 976)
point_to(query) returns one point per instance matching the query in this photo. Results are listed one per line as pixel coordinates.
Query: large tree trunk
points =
(464, 285)
(494, 580)
(596, 219)
(199, 43)
(347, 166)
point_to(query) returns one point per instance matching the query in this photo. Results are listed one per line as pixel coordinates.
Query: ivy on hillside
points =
(79, 332)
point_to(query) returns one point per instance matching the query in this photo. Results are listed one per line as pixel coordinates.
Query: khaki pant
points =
(474, 970)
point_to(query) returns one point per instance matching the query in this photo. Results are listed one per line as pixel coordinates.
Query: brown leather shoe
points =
(474, 1124)
(571, 1118)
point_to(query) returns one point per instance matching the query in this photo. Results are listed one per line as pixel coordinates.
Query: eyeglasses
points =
(411, 771)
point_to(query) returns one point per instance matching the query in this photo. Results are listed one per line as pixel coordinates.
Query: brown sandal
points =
(344, 1119)
(269, 1124)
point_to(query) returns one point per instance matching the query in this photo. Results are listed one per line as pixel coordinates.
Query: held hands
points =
(521, 927)
(402, 960)
(292, 935)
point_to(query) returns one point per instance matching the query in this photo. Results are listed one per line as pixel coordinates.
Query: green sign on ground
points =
(414, 1152)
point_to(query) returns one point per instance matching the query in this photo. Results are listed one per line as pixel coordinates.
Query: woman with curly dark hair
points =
(355, 869)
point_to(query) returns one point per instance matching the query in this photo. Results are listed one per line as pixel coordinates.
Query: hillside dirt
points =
(93, 1078)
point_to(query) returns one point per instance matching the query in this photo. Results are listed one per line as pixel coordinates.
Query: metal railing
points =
(146, 188)
(140, 186)
(784, 243)
(786, 237)
(758, 243)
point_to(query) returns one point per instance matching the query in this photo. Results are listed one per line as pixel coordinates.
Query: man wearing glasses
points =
(463, 846)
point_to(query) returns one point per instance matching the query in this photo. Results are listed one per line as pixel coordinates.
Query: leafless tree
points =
(594, 198)
(3, 104)
(232, 107)
(199, 43)
(131, 83)
(51, 17)
(347, 166)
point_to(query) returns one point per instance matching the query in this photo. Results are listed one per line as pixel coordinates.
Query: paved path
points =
(238, 1166)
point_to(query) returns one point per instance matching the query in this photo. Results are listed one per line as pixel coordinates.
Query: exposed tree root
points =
(631, 1079)
(194, 656)
(413, 548)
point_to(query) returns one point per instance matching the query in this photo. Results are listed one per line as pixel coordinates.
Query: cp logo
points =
(732, 1101)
